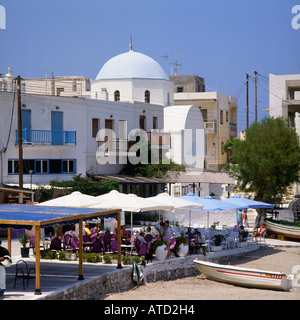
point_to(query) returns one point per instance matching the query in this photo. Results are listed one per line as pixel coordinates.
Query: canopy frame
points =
(67, 217)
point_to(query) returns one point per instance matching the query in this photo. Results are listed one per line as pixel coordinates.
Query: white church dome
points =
(130, 65)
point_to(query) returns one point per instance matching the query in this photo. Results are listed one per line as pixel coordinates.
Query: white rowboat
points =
(245, 277)
(282, 229)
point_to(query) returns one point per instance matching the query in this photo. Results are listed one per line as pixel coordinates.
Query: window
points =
(147, 96)
(204, 113)
(221, 116)
(168, 99)
(226, 116)
(43, 166)
(155, 123)
(74, 85)
(179, 89)
(117, 95)
(95, 127)
(59, 91)
(143, 122)
(68, 166)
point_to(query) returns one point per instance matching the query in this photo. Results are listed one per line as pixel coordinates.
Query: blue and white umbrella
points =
(211, 204)
(238, 200)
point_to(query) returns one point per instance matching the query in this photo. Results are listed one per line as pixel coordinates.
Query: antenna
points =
(176, 64)
(130, 45)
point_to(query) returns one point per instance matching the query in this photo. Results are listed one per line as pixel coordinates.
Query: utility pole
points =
(247, 99)
(255, 74)
(20, 139)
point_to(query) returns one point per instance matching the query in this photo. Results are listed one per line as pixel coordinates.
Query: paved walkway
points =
(61, 274)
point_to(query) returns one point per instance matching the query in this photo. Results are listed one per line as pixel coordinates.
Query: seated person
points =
(189, 232)
(259, 232)
(72, 232)
(168, 234)
(243, 234)
(149, 231)
(87, 229)
(124, 236)
(141, 237)
(97, 228)
(196, 234)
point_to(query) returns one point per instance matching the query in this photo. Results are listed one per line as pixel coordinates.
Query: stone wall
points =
(121, 280)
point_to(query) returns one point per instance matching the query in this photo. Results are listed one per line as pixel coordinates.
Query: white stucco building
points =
(284, 98)
(61, 131)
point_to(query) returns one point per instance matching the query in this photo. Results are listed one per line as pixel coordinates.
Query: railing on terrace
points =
(47, 137)
(232, 129)
(161, 139)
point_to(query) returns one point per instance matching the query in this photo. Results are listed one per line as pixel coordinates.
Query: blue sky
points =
(216, 39)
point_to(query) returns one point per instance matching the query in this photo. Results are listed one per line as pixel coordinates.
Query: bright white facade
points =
(129, 76)
(219, 113)
(61, 134)
(284, 98)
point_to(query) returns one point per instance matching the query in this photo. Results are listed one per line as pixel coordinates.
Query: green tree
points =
(268, 160)
(87, 186)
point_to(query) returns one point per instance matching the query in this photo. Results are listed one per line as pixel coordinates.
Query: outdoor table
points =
(127, 248)
(46, 243)
(87, 245)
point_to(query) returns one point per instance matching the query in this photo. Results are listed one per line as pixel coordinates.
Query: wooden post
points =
(37, 261)
(9, 241)
(80, 276)
(247, 99)
(119, 240)
(255, 76)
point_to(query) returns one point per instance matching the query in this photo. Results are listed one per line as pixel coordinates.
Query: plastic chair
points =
(173, 245)
(67, 242)
(32, 244)
(148, 237)
(141, 250)
(113, 246)
(106, 241)
(55, 244)
(97, 247)
(23, 272)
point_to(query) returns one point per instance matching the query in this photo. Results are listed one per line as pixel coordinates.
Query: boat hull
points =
(243, 276)
(288, 231)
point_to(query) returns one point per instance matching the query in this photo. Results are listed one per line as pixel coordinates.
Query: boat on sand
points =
(286, 230)
(246, 277)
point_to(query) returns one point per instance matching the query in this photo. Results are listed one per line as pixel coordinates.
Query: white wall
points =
(134, 90)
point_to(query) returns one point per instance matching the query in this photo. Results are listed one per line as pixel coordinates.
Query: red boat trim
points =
(268, 276)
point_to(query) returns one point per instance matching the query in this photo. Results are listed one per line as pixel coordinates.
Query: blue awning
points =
(23, 216)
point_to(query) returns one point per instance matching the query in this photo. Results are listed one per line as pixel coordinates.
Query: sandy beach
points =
(200, 288)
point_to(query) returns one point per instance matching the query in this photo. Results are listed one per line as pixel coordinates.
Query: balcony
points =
(47, 137)
(161, 140)
(232, 129)
(210, 126)
(115, 146)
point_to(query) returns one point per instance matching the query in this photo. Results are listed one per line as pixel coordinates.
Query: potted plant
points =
(182, 247)
(24, 250)
(58, 231)
(160, 246)
(218, 238)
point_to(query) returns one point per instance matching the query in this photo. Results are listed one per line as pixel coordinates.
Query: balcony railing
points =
(232, 129)
(159, 139)
(47, 137)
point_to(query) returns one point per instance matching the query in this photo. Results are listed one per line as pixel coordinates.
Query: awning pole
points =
(37, 261)
(9, 241)
(119, 240)
(80, 277)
